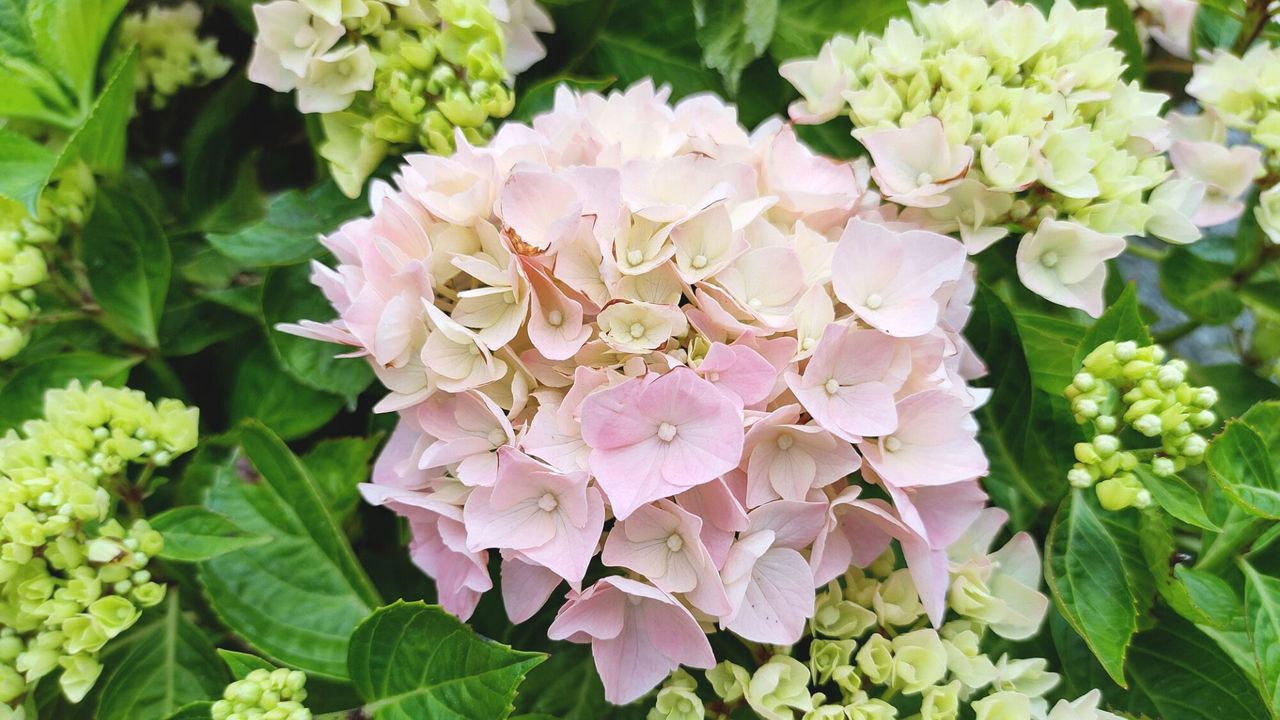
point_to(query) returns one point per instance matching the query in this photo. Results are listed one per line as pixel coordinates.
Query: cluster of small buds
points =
(265, 695)
(867, 657)
(171, 55)
(1124, 386)
(23, 266)
(72, 577)
(389, 75)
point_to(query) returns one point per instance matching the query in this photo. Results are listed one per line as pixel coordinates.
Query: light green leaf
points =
(22, 398)
(1049, 344)
(733, 33)
(1122, 321)
(1178, 673)
(297, 598)
(100, 137)
(69, 34)
(1211, 596)
(289, 232)
(1085, 571)
(804, 25)
(288, 297)
(25, 167)
(201, 710)
(126, 256)
(165, 665)
(1176, 497)
(241, 664)
(338, 466)
(1244, 466)
(196, 534)
(411, 661)
(262, 390)
(1262, 615)
(1202, 289)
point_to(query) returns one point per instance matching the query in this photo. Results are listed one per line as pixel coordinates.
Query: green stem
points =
(1256, 17)
(1220, 553)
(1146, 251)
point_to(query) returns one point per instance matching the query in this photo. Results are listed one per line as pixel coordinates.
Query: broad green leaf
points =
(100, 137)
(126, 256)
(1177, 673)
(1122, 321)
(196, 534)
(289, 232)
(168, 664)
(1081, 671)
(190, 324)
(1085, 571)
(567, 687)
(1049, 344)
(338, 466)
(1211, 595)
(288, 297)
(733, 33)
(241, 664)
(653, 40)
(1244, 466)
(1177, 498)
(22, 398)
(411, 661)
(201, 710)
(1156, 540)
(1214, 27)
(540, 97)
(1262, 615)
(1202, 289)
(215, 150)
(1027, 433)
(69, 35)
(25, 167)
(263, 390)
(15, 36)
(297, 598)
(804, 25)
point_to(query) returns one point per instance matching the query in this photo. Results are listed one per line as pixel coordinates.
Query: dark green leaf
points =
(1243, 464)
(412, 661)
(288, 234)
(338, 466)
(263, 390)
(1085, 571)
(190, 325)
(287, 297)
(25, 167)
(1177, 673)
(1121, 321)
(1214, 27)
(196, 534)
(733, 33)
(1200, 288)
(804, 25)
(22, 398)
(202, 710)
(126, 257)
(1176, 497)
(1262, 615)
(241, 664)
(297, 598)
(567, 687)
(168, 664)
(654, 40)
(214, 151)
(1238, 387)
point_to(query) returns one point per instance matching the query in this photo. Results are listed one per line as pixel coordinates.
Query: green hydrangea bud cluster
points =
(171, 55)
(265, 695)
(64, 204)
(72, 576)
(438, 70)
(1122, 386)
(871, 654)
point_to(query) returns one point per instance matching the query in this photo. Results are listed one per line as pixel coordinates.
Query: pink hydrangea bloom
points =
(637, 316)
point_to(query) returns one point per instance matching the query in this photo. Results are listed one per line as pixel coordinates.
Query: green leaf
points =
(1238, 387)
(804, 25)
(241, 664)
(653, 40)
(1202, 289)
(1121, 321)
(1177, 498)
(1080, 669)
(287, 297)
(69, 35)
(1177, 673)
(567, 687)
(288, 234)
(215, 150)
(1211, 595)
(733, 33)
(1244, 466)
(126, 256)
(25, 167)
(1085, 571)
(100, 137)
(1214, 27)
(190, 324)
(201, 710)
(297, 598)
(167, 664)
(22, 398)
(1027, 433)
(411, 661)
(196, 534)
(338, 466)
(1262, 615)
(261, 389)
(1049, 344)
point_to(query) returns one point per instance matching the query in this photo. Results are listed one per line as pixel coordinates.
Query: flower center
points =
(832, 387)
(635, 257)
(807, 344)
(699, 261)
(473, 349)
(892, 444)
(785, 441)
(304, 37)
(555, 318)
(1049, 259)
(666, 432)
(497, 437)
(968, 216)
(509, 297)
(924, 178)
(874, 301)
(674, 542)
(637, 330)
(828, 615)
(548, 502)
(755, 302)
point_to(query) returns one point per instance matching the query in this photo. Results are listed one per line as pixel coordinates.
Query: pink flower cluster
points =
(637, 332)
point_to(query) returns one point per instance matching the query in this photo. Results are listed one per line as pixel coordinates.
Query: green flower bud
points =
(677, 703)
(827, 656)
(729, 681)
(836, 617)
(79, 673)
(780, 686)
(1003, 705)
(941, 702)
